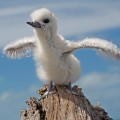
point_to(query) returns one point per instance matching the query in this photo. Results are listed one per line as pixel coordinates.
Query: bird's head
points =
(43, 20)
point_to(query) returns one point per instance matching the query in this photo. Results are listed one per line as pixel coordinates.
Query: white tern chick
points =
(52, 53)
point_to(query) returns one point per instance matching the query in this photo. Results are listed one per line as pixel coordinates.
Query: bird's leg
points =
(55, 89)
(50, 90)
(70, 89)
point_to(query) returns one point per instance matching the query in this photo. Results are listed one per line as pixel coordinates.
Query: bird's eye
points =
(46, 20)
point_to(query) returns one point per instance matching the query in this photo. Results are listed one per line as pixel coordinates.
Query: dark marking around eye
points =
(46, 20)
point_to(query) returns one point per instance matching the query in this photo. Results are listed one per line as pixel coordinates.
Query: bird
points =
(53, 54)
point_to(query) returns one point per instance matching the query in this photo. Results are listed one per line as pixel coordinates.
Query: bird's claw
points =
(48, 93)
(51, 90)
(70, 90)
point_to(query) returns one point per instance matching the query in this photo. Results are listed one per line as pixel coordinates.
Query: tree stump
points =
(62, 106)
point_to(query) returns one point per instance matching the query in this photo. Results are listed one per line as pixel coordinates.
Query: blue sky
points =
(100, 78)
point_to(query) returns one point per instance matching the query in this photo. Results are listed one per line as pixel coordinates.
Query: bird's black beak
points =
(34, 24)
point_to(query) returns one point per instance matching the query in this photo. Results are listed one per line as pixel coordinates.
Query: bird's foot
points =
(72, 92)
(48, 93)
(51, 90)
(70, 89)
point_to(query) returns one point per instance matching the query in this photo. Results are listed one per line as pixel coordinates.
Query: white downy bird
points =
(53, 54)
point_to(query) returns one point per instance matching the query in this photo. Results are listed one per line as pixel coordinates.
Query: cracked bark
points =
(62, 106)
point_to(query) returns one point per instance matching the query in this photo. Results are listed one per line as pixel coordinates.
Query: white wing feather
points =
(99, 44)
(20, 48)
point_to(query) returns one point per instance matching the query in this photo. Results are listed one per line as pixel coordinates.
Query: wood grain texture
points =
(62, 106)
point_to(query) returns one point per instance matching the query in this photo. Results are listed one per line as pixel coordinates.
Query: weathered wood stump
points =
(62, 106)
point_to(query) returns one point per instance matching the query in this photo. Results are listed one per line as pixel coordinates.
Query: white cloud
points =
(1, 80)
(4, 96)
(74, 19)
(8, 101)
(101, 79)
(91, 17)
(34, 87)
(103, 87)
(22, 9)
(15, 100)
(15, 10)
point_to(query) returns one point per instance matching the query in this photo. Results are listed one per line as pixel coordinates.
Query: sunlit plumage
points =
(53, 54)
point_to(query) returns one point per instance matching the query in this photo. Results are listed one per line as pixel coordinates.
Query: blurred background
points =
(100, 78)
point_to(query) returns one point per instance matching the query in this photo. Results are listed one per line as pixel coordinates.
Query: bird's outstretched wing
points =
(20, 48)
(99, 44)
